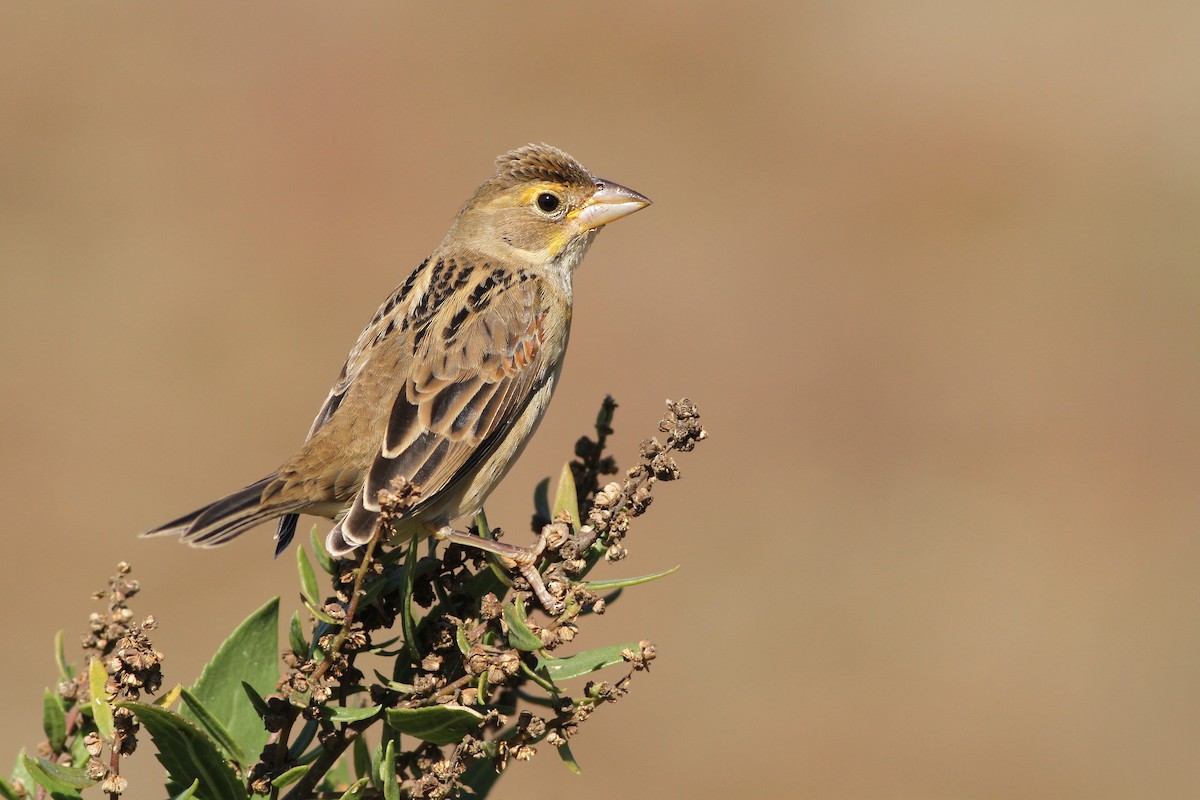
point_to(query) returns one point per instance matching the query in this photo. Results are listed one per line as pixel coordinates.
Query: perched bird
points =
(451, 376)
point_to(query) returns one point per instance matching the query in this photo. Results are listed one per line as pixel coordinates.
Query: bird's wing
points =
(450, 373)
(475, 366)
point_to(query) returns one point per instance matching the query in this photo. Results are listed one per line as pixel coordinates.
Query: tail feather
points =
(217, 523)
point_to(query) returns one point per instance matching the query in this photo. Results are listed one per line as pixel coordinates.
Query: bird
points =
(450, 378)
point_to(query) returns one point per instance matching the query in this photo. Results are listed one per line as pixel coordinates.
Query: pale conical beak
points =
(608, 203)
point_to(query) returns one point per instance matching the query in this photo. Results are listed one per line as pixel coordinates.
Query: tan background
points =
(930, 272)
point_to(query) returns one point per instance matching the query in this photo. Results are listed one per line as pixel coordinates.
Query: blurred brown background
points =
(930, 272)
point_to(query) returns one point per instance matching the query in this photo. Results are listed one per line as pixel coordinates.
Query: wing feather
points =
(430, 397)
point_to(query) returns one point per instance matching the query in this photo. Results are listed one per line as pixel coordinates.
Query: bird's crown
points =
(540, 162)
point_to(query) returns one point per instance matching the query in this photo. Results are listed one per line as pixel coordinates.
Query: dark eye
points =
(548, 202)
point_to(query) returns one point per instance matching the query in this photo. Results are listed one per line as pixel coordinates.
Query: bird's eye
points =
(548, 202)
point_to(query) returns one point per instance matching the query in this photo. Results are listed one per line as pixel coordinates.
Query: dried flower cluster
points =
(120, 664)
(469, 683)
(469, 649)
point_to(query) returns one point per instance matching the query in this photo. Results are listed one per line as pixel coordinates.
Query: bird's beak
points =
(608, 203)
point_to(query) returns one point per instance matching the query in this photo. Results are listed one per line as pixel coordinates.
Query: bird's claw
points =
(512, 557)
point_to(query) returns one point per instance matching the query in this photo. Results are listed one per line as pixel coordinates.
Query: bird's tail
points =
(217, 523)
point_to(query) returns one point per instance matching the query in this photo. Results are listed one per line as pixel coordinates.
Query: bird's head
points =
(541, 206)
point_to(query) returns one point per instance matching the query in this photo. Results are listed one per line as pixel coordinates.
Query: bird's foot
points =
(522, 559)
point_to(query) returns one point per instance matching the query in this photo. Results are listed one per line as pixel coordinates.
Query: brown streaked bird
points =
(453, 373)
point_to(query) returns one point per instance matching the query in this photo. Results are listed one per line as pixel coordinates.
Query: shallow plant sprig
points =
(417, 674)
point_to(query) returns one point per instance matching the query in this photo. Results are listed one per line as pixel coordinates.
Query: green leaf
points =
(356, 789)
(57, 777)
(618, 583)
(65, 671)
(7, 791)
(302, 740)
(260, 705)
(564, 752)
(347, 714)
(496, 579)
(440, 725)
(21, 774)
(460, 638)
(101, 708)
(213, 727)
(387, 772)
(376, 760)
(167, 699)
(78, 750)
(250, 656)
(362, 758)
(290, 776)
(580, 664)
(54, 720)
(319, 552)
(406, 611)
(296, 637)
(189, 792)
(519, 635)
(565, 498)
(308, 578)
(321, 615)
(541, 498)
(188, 754)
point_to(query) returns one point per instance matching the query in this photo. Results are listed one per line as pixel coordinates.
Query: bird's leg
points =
(522, 559)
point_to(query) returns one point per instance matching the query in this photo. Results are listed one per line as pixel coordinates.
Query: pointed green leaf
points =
(406, 611)
(440, 725)
(296, 637)
(580, 664)
(402, 688)
(565, 498)
(101, 708)
(302, 740)
(387, 772)
(54, 720)
(259, 705)
(496, 578)
(7, 791)
(356, 789)
(21, 774)
(168, 699)
(460, 638)
(347, 714)
(519, 635)
(78, 750)
(65, 671)
(308, 578)
(320, 614)
(362, 758)
(189, 792)
(250, 656)
(376, 760)
(564, 752)
(290, 776)
(619, 583)
(319, 552)
(188, 755)
(56, 777)
(214, 728)
(541, 498)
